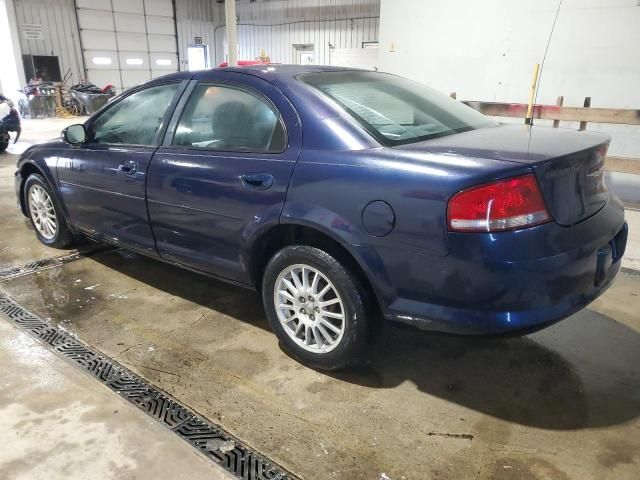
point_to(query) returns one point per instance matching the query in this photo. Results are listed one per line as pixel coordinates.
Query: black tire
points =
(22, 110)
(358, 318)
(3, 146)
(63, 236)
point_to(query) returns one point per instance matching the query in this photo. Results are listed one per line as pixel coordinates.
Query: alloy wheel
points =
(42, 212)
(309, 308)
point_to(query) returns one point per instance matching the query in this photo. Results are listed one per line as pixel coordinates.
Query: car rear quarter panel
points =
(330, 190)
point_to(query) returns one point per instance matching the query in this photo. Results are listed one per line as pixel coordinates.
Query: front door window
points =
(136, 119)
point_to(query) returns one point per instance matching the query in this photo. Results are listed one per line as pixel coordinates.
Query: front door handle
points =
(128, 167)
(257, 181)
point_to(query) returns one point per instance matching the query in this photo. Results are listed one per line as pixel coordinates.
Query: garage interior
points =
(560, 403)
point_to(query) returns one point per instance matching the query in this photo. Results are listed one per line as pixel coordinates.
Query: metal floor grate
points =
(216, 444)
(9, 272)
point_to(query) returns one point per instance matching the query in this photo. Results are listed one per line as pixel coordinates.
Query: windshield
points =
(396, 110)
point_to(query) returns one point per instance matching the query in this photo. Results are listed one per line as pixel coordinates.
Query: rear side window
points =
(136, 119)
(229, 119)
(395, 110)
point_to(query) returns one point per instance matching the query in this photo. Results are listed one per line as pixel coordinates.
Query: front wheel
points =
(47, 220)
(316, 307)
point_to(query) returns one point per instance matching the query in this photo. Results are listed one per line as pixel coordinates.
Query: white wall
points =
(57, 20)
(276, 25)
(198, 18)
(326, 24)
(486, 50)
(11, 70)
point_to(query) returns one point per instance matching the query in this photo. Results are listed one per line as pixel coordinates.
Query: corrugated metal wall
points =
(198, 18)
(59, 33)
(275, 26)
(270, 26)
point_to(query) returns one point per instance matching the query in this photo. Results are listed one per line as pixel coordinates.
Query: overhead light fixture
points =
(101, 60)
(163, 62)
(134, 61)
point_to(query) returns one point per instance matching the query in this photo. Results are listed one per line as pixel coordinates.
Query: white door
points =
(304, 54)
(126, 42)
(197, 57)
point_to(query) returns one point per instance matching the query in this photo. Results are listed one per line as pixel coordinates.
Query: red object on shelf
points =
(245, 63)
(108, 88)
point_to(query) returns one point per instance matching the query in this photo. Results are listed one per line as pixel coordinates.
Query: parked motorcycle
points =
(37, 99)
(87, 98)
(9, 122)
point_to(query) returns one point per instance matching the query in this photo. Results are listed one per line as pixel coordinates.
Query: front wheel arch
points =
(27, 170)
(62, 236)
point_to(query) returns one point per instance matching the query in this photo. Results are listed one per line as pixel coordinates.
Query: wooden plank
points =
(556, 112)
(622, 164)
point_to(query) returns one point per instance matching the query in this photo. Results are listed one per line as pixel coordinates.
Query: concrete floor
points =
(58, 423)
(562, 403)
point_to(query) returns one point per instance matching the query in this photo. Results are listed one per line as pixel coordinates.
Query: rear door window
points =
(226, 118)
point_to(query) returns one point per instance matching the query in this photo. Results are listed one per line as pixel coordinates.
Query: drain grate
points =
(211, 440)
(8, 272)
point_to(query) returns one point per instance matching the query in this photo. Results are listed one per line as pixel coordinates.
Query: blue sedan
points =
(346, 197)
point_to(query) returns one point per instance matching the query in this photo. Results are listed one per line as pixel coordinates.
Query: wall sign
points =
(197, 40)
(32, 31)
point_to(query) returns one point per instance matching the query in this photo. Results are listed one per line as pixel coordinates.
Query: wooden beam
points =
(556, 112)
(622, 164)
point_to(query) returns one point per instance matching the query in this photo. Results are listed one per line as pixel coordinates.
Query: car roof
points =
(281, 71)
(271, 72)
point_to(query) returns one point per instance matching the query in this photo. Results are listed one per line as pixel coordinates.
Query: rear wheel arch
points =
(284, 235)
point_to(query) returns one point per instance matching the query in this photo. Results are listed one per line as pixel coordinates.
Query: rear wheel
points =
(50, 226)
(316, 307)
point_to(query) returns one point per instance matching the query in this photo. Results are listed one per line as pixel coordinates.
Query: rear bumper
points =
(497, 283)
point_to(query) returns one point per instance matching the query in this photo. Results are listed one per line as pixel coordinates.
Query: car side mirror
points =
(75, 134)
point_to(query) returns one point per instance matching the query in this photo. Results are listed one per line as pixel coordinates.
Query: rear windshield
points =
(396, 110)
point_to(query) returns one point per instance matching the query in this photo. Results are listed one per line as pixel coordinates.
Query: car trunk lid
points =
(568, 165)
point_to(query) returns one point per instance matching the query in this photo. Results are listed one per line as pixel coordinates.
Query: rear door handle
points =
(257, 181)
(128, 167)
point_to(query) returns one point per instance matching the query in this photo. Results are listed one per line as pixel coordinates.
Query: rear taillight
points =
(495, 207)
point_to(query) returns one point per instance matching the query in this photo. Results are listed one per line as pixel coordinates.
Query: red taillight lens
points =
(504, 205)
